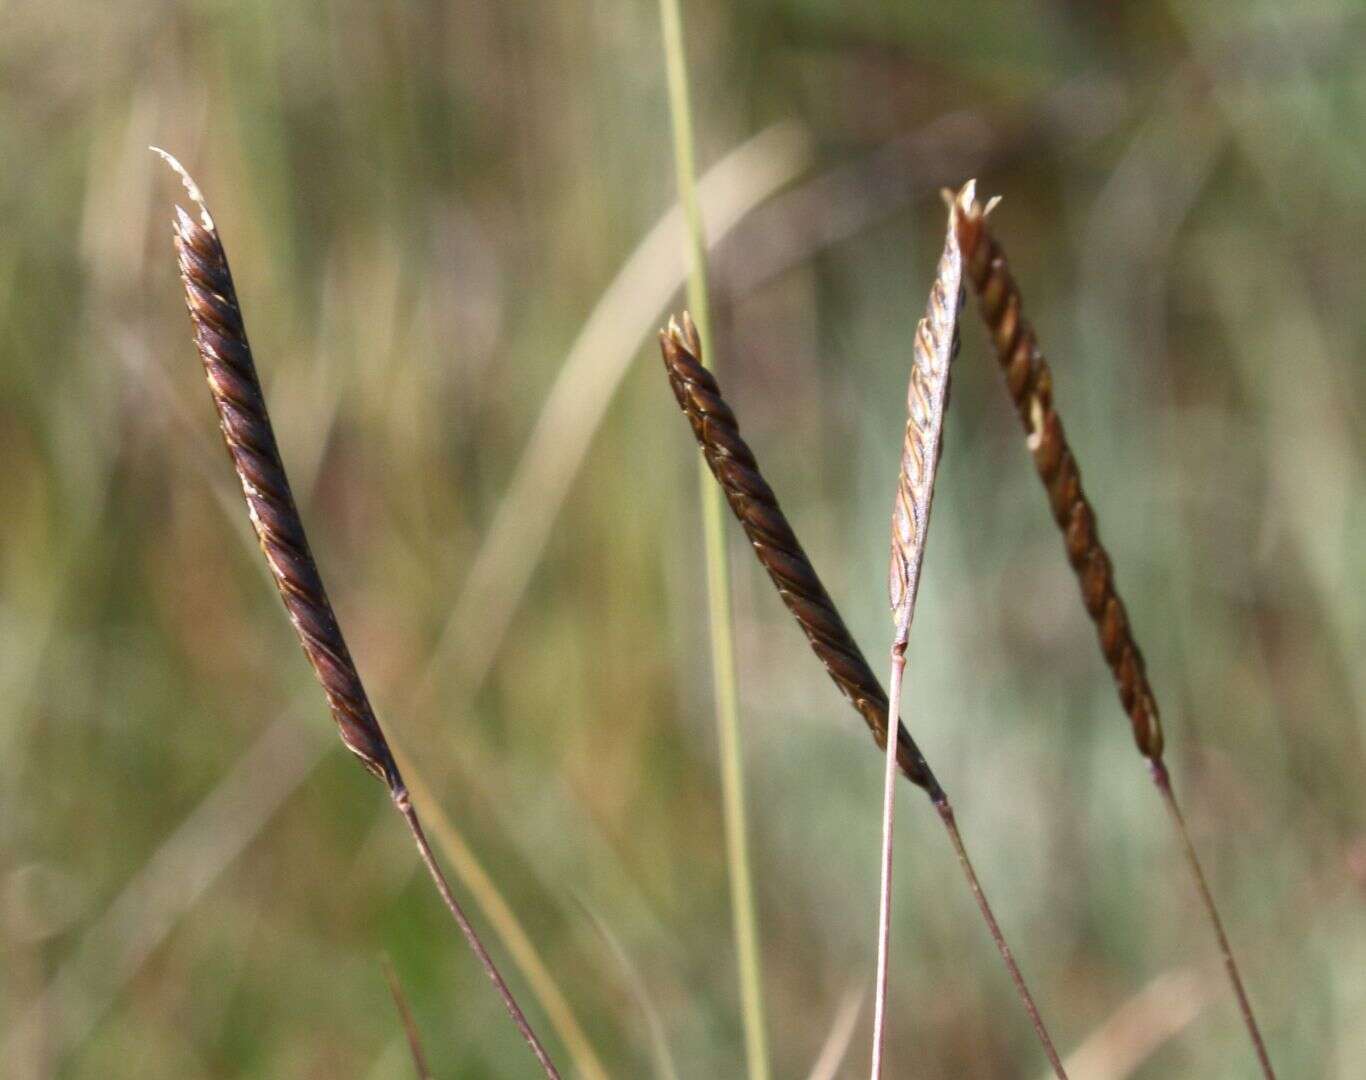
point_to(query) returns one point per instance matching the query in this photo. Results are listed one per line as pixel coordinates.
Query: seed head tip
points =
(967, 196)
(185, 178)
(185, 225)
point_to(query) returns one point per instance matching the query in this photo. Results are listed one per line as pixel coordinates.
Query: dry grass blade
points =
(221, 340)
(936, 341)
(1121, 1045)
(836, 1046)
(405, 1015)
(1030, 384)
(775, 545)
(720, 629)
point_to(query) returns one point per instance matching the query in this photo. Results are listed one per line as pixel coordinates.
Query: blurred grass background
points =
(423, 203)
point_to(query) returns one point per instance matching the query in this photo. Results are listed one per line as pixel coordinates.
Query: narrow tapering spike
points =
(220, 336)
(1030, 384)
(775, 545)
(932, 351)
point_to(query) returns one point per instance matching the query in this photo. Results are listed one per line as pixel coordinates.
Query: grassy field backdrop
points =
(424, 204)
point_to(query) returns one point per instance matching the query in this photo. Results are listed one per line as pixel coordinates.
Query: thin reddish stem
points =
(1162, 779)
(946, 815)
(405, 807)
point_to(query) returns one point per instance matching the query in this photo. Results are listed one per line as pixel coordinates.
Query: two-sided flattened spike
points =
(932, 352)
(220, 337)
(1030, 383)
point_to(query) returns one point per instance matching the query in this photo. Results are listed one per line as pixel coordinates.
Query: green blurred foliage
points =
(423, 203)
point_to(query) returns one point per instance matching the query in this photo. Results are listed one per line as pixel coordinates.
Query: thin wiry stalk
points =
(936, 341)
(405, 1015)
(499, 915)
(724, 683)
(1030, 384)
(884, 901)
(946, 815)
(221, 340)
(775, 545)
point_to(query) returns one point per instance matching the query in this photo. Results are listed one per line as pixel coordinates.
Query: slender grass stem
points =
(884, 911)
(718, 579)
(946, 815)
(405, 807)
(499, 914)
(1162, 779)
(927, 395)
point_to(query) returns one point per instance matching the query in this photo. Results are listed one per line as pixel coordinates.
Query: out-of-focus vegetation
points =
(424, 203)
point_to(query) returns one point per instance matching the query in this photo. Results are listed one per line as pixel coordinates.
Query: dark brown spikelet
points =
(932, 353)
(776, 546)
(1031, 388)
(221, 338)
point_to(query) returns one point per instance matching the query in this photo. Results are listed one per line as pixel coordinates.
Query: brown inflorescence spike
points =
(776, 546)
(220, 335)
(1030, 384)
(221, 339)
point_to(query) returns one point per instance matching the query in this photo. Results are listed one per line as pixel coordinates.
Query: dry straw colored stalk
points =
(932, 351)
(775, 545)
(1030, 384)
(220, 337)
